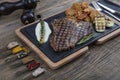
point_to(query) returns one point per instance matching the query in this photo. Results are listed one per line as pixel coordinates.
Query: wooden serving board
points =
(50, 63)
(108, 37)
(100, 38)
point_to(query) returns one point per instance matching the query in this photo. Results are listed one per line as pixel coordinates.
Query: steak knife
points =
(109, 9)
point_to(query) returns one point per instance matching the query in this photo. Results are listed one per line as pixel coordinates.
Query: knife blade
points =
(109, 9)
(112, 15)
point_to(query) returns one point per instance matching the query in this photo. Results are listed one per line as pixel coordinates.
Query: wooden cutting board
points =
(48, 61)
(55, 65)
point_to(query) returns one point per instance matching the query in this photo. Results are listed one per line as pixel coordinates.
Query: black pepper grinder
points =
(28, 16)
(7, 8)
(28, 7)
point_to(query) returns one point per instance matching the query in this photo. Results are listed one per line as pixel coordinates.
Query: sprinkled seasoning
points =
(22, 55)
(33, 65)
(38, 71)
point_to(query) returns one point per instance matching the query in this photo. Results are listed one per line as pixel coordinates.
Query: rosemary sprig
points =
(85, 38)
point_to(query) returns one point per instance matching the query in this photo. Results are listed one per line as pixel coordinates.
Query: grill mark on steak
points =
(66, 33)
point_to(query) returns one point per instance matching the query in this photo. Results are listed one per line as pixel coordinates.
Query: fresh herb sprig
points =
(42, 31)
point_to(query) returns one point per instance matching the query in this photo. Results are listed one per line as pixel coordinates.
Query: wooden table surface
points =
(99, 63)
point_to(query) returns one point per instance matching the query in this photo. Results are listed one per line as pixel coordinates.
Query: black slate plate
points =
(29, 32)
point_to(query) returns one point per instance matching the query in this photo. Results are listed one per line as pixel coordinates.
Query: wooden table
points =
(99, 63)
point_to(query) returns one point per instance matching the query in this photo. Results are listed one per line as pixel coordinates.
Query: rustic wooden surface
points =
(99, 63)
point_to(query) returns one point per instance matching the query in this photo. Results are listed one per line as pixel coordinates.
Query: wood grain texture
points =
(99, 63)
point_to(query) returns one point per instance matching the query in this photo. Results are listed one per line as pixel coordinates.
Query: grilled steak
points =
(67, 32)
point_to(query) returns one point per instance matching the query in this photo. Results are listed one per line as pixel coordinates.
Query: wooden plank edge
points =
(108, 37)
(51, 64)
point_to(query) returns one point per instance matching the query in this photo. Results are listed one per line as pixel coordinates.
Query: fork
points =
(97, 7)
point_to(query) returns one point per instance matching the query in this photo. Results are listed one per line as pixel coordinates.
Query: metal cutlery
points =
(109, 9)
(97, 7)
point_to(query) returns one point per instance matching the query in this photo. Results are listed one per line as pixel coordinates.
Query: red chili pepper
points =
(33, 65)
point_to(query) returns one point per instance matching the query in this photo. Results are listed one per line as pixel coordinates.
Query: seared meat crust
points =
(67, 32)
